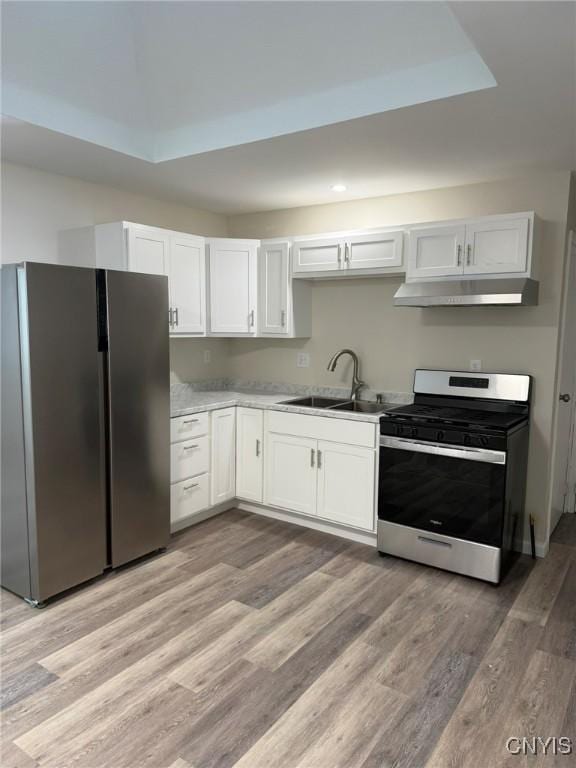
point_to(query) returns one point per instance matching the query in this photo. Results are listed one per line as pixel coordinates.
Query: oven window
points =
(455, 497)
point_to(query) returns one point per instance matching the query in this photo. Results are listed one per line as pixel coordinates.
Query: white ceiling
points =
(162, 80)
(526, 122)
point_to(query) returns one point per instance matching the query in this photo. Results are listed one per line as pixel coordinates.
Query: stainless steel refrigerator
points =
(85, 424)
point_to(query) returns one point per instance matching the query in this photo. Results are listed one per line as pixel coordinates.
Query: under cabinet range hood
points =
(514, 291)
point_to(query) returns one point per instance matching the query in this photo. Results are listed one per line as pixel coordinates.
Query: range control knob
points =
(414, 432)
(484, 441)
(467, 440)
(440, 435)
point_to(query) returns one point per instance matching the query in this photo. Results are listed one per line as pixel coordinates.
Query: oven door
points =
(452, 490)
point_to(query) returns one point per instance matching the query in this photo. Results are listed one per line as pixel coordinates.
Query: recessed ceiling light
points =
(338, 187)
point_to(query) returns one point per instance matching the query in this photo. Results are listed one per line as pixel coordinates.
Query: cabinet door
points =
(273, 279)
(493, 247)
(346, 484)
(232, 265)
(223, 455)
(189, 497)
(186, 276)
(249, 451)
(374, 251)
(148, 250)
(436, 252)
(317, 255)
(290, 481)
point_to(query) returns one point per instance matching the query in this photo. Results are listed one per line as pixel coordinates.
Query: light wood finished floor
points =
(257, 644)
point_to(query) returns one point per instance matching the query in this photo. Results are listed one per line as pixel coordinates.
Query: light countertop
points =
(185, 403)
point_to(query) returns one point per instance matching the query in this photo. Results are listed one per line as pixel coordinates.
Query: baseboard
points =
(308, 522)
(204, 514)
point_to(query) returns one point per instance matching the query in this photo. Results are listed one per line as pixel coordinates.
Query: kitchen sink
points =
(360, 406)
(315, 402)
(337, 404)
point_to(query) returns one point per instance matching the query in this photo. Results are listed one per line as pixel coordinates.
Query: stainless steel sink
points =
(337, 404)
(360, 406)
(315, 402)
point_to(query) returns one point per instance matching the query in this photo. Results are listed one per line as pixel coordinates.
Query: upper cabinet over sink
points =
(349, 254)
(492, 246)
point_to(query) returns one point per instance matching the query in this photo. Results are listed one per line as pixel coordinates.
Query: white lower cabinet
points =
(332, 481)
(291, 473)
(346, 488)
(249, 454)
(223, 435)
(189, 497)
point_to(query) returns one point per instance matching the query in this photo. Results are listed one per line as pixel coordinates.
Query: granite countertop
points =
(187, 402)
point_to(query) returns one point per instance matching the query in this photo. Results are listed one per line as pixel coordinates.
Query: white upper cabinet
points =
(375, 250)
(497, 246)
(486, 247)
(284, 305)
(233, 286)
(148, 250)
(436, 251)
(317, 255)
(274, 285)
(187, 280)
(371, 253)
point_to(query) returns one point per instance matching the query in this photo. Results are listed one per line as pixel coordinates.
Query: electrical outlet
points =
(207, 356)
(303, 360)
(475, 365)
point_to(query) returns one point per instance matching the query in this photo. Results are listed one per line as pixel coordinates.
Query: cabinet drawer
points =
(189, 458)
(189, 497)
(185, 427)
(323, 428)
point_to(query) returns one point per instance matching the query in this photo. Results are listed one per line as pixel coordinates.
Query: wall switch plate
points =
(475, 365)
(303, 360)
(207, 356)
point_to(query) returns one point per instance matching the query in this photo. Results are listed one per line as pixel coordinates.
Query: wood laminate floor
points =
(257, 644)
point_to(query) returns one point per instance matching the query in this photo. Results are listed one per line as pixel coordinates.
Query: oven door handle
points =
(440, 449)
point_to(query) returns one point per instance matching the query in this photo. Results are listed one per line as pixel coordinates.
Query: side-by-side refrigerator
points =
(85, 424)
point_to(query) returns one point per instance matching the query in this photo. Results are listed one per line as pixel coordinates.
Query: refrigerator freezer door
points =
(61, 395)
(139, 412)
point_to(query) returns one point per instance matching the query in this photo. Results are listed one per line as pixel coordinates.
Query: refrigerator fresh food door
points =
(61, 394)
(139, 414)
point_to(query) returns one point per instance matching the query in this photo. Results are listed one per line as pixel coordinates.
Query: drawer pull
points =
(257, 447)
(439, 543)
(191, 421)
(189, 487)
(189, 447)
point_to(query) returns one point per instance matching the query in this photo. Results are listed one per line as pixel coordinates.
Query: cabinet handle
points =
(459, 256)
(283, 318)
(170, 320)
(347, 250)
(339, 255)
(468, 255)
(189, 487)
(189, 447)
(319, 459)
(176, 316)
(312, 456)
(251, 319)
(257, 447)
(190, 421)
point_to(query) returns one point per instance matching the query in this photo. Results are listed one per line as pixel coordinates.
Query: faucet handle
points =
(379, 397)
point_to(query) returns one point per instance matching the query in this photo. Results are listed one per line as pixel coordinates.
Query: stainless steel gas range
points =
(453, 472)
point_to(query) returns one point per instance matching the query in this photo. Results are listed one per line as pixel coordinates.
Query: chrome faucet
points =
(357, 382)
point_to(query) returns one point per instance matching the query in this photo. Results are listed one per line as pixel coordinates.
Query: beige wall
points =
(393, 341)
(37, 205)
